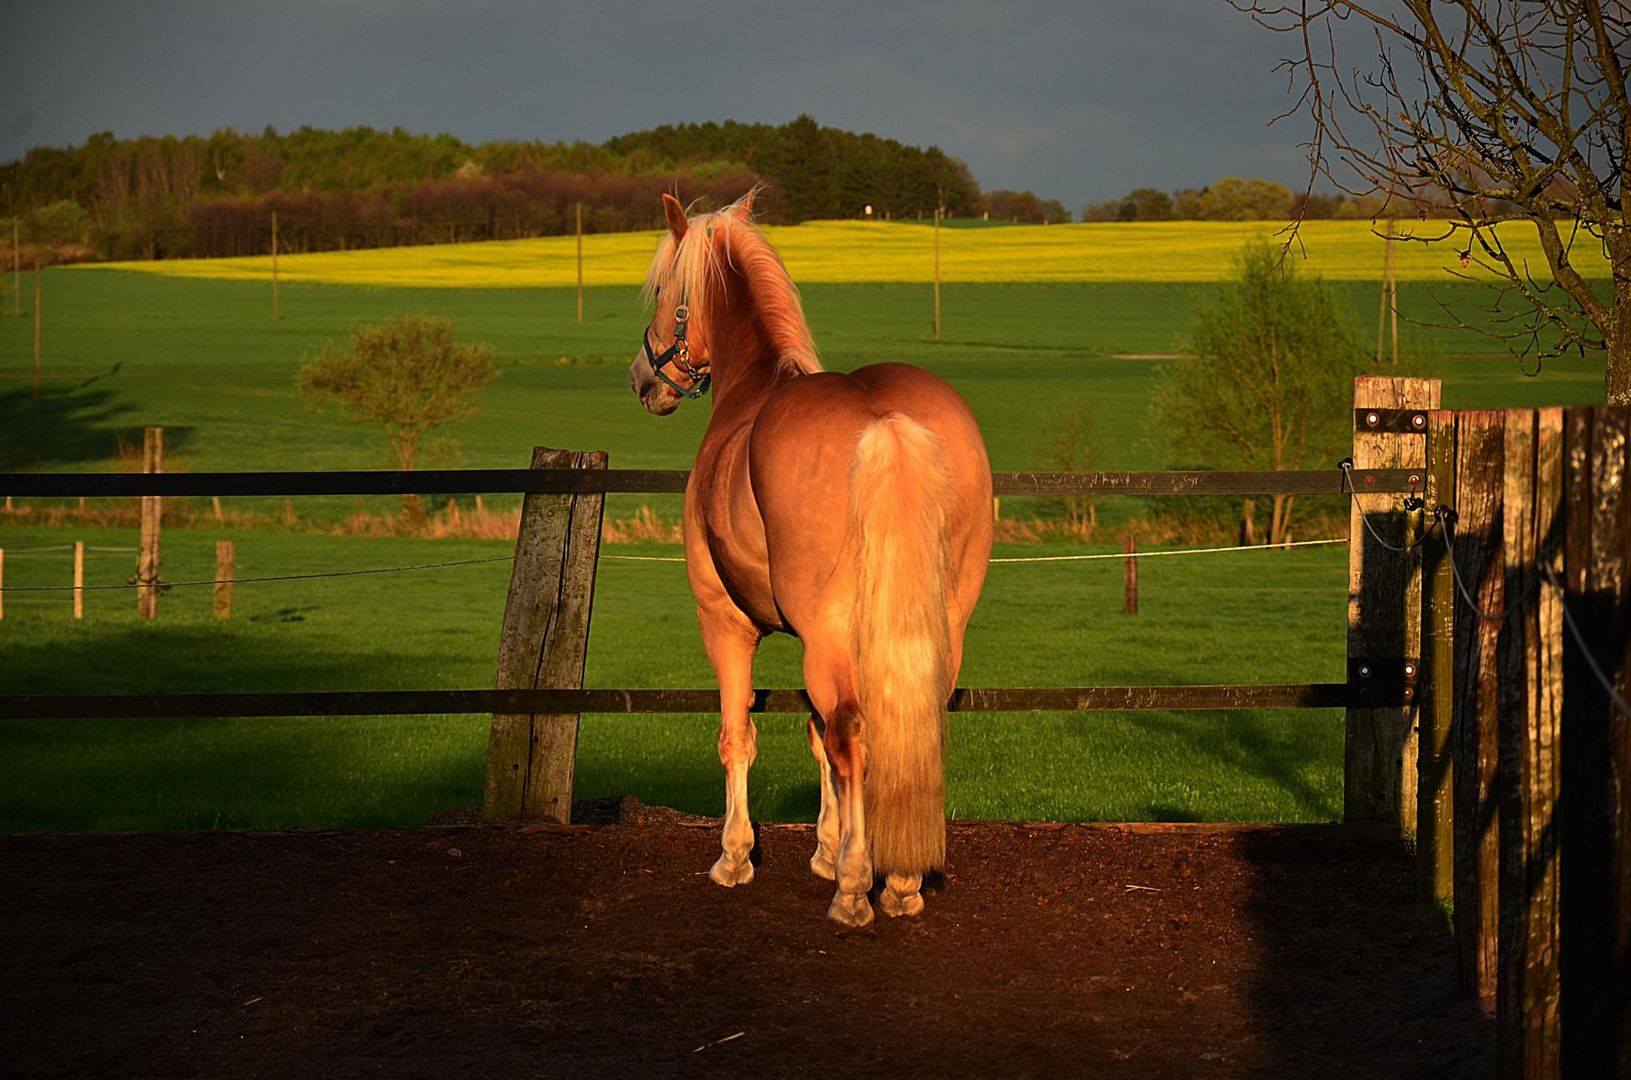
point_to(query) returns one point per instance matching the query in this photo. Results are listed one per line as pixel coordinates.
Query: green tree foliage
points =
(1235, 199)
(1230, 199)
(361, 187)
(1266, 381)
(62, 223)
(1027, 207)
(407, 374)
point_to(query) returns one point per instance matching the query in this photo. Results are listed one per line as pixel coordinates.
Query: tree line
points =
(164, 197)
(1235, 198)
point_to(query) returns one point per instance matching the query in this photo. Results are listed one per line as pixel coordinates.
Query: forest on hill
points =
(158, 197)
(170, 197)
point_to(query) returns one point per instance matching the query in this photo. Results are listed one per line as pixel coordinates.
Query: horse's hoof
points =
(729, 873)
(824, 866)
(896, 904)
(851, 910)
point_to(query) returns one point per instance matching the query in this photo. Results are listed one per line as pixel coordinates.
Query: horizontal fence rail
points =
(967, 699)
(661, 481)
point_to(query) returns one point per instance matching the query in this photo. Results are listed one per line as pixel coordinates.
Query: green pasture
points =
(205, 360)
(1249, 616)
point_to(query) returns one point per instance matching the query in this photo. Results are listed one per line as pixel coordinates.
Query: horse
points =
(850, 510)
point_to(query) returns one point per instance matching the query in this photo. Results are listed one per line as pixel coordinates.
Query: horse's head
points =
(673, 360)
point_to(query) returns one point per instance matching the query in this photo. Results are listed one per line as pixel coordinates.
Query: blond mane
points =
(727, 239)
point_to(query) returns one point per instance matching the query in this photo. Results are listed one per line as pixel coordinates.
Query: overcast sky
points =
(1078, 100)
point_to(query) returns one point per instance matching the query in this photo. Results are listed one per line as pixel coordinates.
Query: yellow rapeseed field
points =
(857, 251)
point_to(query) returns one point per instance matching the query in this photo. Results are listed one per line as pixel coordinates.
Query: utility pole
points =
(580, 261)
(1390, 299)
(938, 210)
(36, 326)
(275, 315)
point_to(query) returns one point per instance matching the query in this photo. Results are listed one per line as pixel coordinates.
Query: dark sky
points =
(1078, 100)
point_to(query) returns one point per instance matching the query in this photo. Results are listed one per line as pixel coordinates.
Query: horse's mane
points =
(725, 239)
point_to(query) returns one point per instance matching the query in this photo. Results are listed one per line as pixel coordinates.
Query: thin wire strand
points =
(270, 577)
(1173, 551)
(1585, 650)
(1364, 518)
(1461, 586)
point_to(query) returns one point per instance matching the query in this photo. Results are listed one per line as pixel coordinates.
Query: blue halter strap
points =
(679, 354)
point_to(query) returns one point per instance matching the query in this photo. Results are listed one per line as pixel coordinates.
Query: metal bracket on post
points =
(1387, 680)
(1391, 421)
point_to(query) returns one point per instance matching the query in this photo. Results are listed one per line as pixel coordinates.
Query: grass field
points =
(201, 357)
(1040, 624)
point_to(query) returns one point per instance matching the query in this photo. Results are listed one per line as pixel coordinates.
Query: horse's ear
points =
(675, 214)
(744, 206)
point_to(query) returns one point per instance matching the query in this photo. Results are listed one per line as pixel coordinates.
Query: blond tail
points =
(898, 492)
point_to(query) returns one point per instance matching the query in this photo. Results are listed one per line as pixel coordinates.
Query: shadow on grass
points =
(233, 773)
(1251, 744)
(79, 426)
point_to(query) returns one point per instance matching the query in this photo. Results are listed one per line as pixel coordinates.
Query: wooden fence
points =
(1485, 701)
(1524, 809)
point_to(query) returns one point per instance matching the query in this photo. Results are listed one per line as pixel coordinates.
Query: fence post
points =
(1595, 810)
(1531, 692)
(226, 555)
(2, 583)
(1480, 453)
(530, 758)
(1130, 575)
(1435, 760)
(1384, 609)
(79, 579)
(147, 560)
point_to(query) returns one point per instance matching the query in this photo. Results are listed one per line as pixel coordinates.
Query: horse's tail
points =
(898, 491)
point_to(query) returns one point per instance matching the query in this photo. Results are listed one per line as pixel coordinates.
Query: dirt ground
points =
(1056, 951)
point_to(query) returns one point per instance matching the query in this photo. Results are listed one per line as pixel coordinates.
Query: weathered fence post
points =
(1595, 810)
(1480, 453)
(226, 555)
(1531, 682)
(530, 758)
(1384, 604)
(79, 579)
(147, 560)
(1130, 575)
(1435, 760)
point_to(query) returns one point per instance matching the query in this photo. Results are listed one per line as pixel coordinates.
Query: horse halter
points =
(679, 354)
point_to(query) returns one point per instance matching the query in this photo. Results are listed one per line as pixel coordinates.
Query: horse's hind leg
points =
(731, 646)
(902, 894)
(845, 752)
(824, 863)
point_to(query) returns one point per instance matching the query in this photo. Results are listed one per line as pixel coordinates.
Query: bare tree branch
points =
(1485, 115)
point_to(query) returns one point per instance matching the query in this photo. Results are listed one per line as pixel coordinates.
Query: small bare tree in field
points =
(407, 374)
(1486, 115)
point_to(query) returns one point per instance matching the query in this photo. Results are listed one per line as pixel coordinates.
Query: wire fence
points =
(414, 567)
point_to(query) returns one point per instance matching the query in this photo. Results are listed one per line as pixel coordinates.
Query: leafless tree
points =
(1478, 117)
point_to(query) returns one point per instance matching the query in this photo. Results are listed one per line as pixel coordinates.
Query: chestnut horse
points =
(853, 511)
